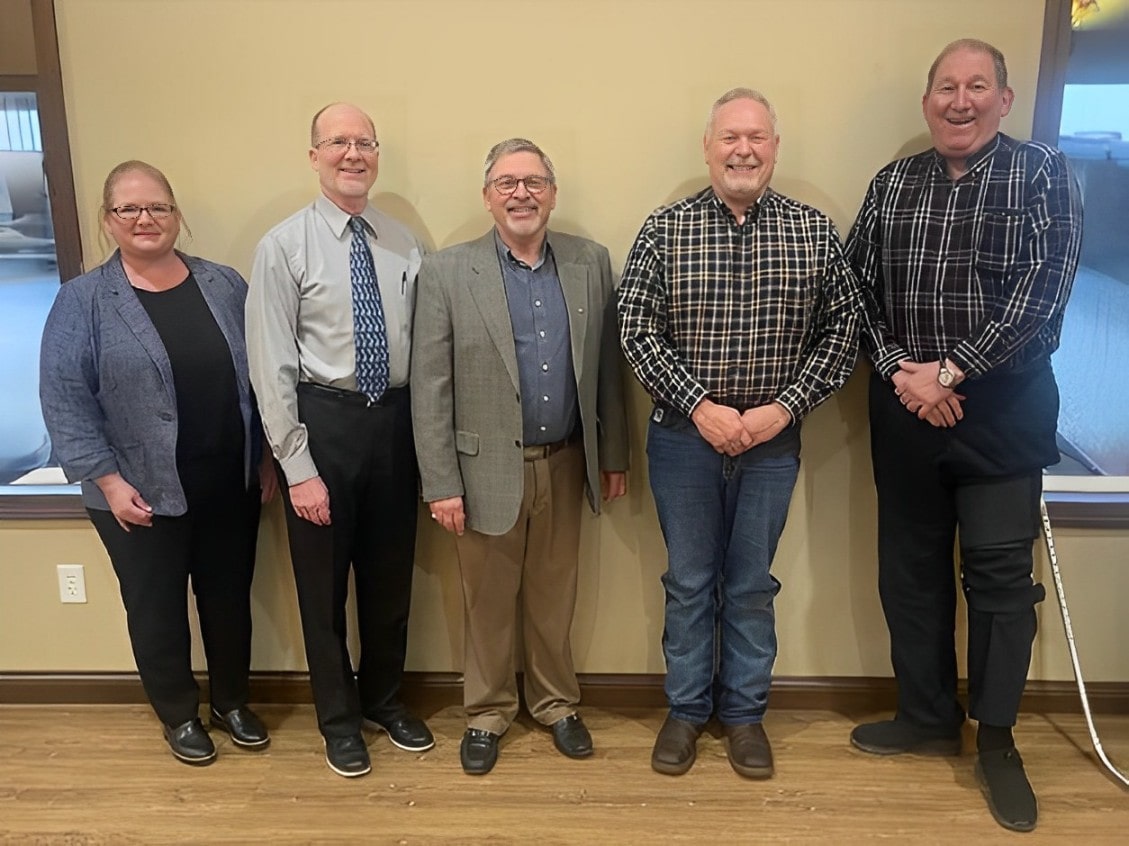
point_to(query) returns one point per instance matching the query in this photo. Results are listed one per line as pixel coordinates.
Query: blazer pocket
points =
(466, 443)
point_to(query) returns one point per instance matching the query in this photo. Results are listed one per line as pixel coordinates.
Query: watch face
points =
(945, 377)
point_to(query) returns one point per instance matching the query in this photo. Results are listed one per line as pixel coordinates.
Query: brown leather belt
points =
(539, 451)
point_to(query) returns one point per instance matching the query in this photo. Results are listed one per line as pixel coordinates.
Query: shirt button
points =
(545, 366)
(537, 303)
(542, 428)
(580, 311)
(542, 333)
(546, 397)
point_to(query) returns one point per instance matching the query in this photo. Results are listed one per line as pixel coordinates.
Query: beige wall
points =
(219, 93)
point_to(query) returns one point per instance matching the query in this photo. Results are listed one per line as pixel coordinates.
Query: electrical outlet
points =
(72, 582)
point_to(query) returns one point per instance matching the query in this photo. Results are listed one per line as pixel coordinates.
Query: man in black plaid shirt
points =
(966, 254)
(739, 315)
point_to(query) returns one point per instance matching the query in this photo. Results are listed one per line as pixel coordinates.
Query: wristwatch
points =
(945, 377)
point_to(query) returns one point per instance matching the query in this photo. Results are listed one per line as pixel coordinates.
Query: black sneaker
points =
(1007, 790)
(190, 743)
(347, 756)
(899, 737)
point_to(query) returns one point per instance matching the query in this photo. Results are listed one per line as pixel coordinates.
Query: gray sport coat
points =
(466, 395)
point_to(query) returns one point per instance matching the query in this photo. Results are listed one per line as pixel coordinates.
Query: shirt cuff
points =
(299, 468)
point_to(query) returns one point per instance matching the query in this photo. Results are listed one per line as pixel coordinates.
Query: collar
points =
(751, 212)
(338, 219)
(505, 253)
(974, 161)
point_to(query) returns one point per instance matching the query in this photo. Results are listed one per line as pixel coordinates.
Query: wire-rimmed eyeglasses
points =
(533, 184)
(157, 211)
(340, 145)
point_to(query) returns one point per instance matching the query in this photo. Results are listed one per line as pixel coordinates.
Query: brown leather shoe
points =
(676, 747)
(749, 751)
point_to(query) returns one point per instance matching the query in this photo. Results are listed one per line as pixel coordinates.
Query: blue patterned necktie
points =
(370, 337)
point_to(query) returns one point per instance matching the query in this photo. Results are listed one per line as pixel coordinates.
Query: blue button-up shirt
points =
(539, 317)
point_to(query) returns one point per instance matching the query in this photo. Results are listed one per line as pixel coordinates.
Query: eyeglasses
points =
(157, 211)
(533, 184)
(340, 145)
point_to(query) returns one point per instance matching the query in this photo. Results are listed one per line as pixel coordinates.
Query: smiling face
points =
(740, 147)
(964, 106)
(146, 238)
(522, 216)
(346, 177)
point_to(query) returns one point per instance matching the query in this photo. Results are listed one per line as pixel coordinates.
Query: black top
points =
(209, 425)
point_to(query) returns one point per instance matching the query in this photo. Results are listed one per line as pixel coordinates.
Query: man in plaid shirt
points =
(739, 314)
(966, 253)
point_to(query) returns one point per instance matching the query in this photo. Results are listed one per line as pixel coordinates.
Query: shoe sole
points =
(940, 748)
(673, 769)
(344, 773)
(982, 781)
(194, 762)
(577, 756)
(378, 728)
(242, 744)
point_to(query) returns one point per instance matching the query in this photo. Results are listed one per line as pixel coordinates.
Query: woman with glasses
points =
(145, 393)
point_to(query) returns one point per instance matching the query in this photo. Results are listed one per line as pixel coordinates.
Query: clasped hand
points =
(917, 388)
(731, 432)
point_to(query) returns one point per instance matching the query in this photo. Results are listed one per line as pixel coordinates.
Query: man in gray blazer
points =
(517, 408)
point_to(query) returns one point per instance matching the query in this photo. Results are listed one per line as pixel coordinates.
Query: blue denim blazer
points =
(106, 383)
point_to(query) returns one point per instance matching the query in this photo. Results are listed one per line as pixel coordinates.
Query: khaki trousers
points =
(531, 570)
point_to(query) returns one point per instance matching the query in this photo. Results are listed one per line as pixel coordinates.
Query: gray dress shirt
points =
(300, 315)
(539, 318)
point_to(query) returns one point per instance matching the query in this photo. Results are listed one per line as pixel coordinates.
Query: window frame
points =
(1067, 508)
(47, 85)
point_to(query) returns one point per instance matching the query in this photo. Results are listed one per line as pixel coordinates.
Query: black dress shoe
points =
(244, 726)
(405, 731)
(347, 756)
(190, 743)
(571, 737)
(478, 752)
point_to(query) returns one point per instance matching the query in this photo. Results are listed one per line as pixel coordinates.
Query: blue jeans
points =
(721, 518)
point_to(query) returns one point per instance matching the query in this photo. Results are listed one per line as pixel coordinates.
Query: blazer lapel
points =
(119, 292)
(229, 318)
(574, 286)
(489, 294)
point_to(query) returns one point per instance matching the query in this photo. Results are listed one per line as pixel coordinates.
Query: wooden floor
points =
(102, 774)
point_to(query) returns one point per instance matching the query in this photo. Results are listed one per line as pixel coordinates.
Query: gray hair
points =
(977, 46)
(741, 94)
(515, 145)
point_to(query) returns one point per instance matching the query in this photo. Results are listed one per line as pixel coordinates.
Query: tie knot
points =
(357, 224)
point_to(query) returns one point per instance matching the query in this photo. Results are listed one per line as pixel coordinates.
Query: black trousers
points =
(213, 547)
(928, 488)
(366, 458)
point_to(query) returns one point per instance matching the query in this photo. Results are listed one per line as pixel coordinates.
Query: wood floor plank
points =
(102, 774)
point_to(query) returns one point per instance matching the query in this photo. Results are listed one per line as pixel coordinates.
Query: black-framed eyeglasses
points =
(157, 211)
(340, 145)
(533, 184)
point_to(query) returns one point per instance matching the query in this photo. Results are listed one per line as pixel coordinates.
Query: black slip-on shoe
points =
(190, 743)
(1006, 788)
(899, 737)
(246, 729)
